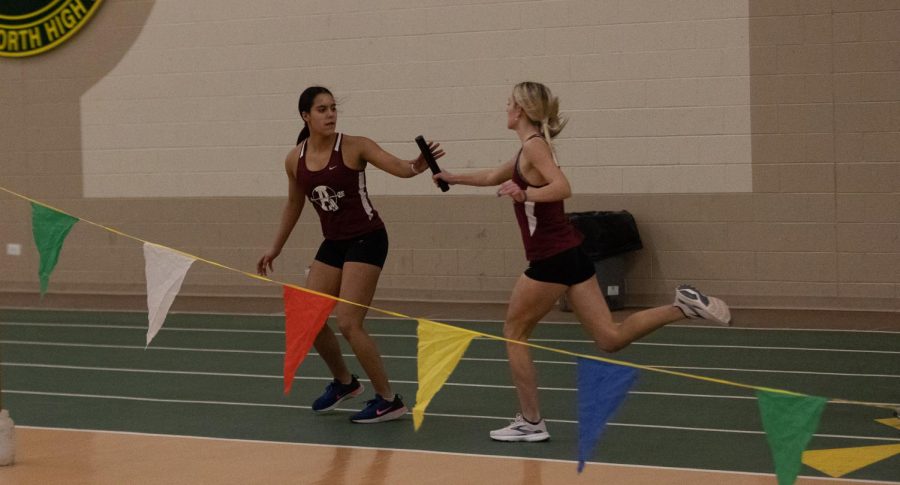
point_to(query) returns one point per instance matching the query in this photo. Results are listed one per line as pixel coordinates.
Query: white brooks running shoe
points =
(521, 430)
(697, 305)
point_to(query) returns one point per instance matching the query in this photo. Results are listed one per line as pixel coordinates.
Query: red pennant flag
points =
(305, 315)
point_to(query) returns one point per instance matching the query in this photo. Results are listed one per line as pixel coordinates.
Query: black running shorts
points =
(370, 248)
(569, 268)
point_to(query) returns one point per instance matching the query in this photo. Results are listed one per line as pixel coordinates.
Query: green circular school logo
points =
(29, 27)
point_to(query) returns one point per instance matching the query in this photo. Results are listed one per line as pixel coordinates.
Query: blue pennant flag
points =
(601, 389)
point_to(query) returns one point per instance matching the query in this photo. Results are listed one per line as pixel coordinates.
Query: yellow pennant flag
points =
(440, 348)
(838, 462)
(892, 422)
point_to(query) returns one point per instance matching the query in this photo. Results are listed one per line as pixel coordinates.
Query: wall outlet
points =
(14, 249)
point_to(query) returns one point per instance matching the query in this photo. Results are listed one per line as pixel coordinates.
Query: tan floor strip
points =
(70, 456)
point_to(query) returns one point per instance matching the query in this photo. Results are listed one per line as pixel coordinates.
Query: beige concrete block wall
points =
(757, 143)
(867, 155)
(822, 89)
(658, 99)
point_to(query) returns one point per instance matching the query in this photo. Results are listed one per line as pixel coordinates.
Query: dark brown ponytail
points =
(305, 104)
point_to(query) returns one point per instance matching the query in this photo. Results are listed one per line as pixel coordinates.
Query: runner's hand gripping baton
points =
(432, 163)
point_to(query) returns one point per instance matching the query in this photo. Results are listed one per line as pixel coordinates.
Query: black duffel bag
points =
(607, 233)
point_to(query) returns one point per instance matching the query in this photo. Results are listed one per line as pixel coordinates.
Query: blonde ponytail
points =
(545, 129)
(542, 109)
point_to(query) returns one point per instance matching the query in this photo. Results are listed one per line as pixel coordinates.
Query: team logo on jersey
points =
(29, 27)
(326, 197)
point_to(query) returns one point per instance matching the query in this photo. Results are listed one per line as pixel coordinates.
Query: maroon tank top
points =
(545, 229)
(339, 195)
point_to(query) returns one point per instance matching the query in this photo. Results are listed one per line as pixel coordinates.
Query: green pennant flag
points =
(790, 422)
(50, 229)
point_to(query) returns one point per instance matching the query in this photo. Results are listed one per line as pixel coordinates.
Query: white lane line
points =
(731, 328)
(413, 357)
(745, 347)
(753, 347)
(551, 322)
(137, 327)
(461, 416)
(730, 369)
(408, 336)
(139, 347)
(307, 378)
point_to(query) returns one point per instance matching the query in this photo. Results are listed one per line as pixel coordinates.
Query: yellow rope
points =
(485, 335)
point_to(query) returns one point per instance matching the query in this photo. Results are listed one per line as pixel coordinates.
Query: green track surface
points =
(80, 370)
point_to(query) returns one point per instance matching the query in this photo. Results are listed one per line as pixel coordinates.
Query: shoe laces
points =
(336, 384)
(520, 419)
(374, 401)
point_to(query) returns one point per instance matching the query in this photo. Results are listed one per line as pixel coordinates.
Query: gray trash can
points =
(608, 236)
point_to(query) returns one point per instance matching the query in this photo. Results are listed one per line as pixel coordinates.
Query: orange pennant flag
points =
(305, 315)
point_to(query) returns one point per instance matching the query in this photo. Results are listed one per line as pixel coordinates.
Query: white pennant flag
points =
(165, 270)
